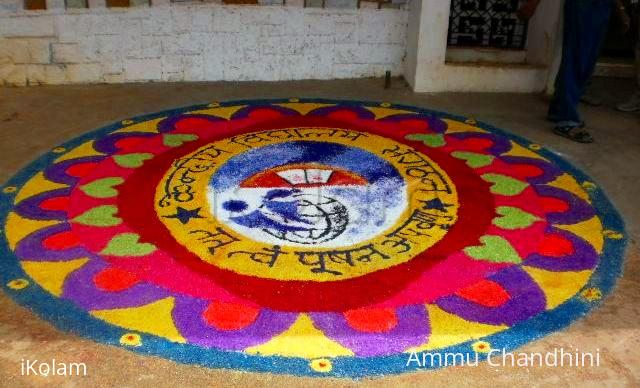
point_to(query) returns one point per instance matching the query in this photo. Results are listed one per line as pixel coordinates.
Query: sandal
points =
(578, 134)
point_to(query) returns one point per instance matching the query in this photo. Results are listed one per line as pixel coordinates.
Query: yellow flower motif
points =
(9, 189)
(131, 339)
(294, 100)
(612, 234)
(18, 284)
(481, 347)
(592, 294)
(385, 104)
(535, 147)
(127, 122)
(321, 365)
(214, 105)
(589, 185)
(471, 121)
(59, 150)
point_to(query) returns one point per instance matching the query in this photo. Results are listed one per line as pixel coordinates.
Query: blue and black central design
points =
(307, 206)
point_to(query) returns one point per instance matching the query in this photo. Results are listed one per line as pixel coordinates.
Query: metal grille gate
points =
(486, 23)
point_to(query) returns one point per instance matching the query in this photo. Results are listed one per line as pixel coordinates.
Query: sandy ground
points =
(33, 120)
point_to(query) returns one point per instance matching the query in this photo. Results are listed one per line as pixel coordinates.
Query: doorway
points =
(617, 55)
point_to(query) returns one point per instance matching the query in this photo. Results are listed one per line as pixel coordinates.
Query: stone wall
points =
(198, 42)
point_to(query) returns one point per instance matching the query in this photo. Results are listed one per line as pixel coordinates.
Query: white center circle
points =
(324, 195)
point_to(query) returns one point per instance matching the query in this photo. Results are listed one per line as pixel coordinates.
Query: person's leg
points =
(595, 24)
(634, 102)
(564, 103)
(589, 97)
(586, 23)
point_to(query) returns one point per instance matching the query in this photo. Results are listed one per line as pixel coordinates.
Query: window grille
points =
(486, 23)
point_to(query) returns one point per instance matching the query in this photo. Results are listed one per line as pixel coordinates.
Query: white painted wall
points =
(212, 42)
(196, 42)
(427, 68)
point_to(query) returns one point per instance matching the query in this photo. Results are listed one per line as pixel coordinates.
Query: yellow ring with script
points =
(215, 243)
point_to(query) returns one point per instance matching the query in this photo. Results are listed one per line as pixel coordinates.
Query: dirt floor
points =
(33, 120)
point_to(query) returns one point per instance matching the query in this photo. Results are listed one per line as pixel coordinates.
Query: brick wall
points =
(197, 42)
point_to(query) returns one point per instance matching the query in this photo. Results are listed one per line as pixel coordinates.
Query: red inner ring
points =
(475, 214)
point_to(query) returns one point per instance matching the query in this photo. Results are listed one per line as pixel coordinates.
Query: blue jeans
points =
(634, 12)
(585, 27)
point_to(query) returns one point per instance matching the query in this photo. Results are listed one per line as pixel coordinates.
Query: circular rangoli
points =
(311, 237)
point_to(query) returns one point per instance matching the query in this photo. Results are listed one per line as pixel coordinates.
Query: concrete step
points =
(617, 68)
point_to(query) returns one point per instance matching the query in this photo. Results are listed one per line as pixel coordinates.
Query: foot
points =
(632, 105)
(577, 134)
